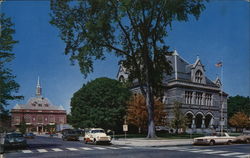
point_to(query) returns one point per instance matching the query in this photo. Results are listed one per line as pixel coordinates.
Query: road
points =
(45, 147)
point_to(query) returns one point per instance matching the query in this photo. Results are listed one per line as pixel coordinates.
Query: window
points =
(198, 98)
(121, 79)
(40, 119)
(52, 119)
(198, 76)
(208, 99)
(46, 105)
(17, 119)
(188, 97)
(40, 105)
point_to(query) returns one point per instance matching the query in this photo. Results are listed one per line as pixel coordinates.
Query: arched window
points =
(198, 76)
(121, 79)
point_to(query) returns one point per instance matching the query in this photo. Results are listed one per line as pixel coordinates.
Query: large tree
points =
(100, 103)
(8, 85)
(134, 30)
(137, 112)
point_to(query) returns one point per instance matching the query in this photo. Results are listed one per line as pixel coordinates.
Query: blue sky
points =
(221, 33)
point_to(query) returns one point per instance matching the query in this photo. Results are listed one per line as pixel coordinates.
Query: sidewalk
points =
(144, 142)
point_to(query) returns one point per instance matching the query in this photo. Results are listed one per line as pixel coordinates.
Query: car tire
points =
(95, 142)
(229, 142)
(248, 141)
(85, 141)
(212, 142)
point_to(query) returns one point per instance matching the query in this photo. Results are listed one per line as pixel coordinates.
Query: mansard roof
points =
(184, 69)
(38, 103)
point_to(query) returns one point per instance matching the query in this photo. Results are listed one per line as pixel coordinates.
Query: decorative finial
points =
(197, 57)
(175, 52)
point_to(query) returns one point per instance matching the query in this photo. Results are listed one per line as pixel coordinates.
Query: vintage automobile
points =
(213, 139)
(70, 134)
(243, 138)
(14, 140)
(96, 135)
(30, 135)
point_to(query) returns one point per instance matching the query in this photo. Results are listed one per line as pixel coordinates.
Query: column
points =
(42, 128)
(203, 99)
(203, 122)
(37, 129)
(193, 98)
(193, 126)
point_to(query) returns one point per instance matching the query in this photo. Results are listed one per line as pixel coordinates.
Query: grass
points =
(161, 135)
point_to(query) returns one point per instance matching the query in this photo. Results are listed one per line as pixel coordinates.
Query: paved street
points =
(45, 147)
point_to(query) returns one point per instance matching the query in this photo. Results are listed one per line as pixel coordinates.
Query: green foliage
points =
(7, 82)
(134, 30)
(179, 121)
(22, 127)
(99, 103)
(238, 104)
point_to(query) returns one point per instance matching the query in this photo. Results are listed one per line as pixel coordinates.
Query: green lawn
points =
(161, 135)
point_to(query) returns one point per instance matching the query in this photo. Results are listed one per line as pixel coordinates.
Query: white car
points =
(96, 135)
(214, 139)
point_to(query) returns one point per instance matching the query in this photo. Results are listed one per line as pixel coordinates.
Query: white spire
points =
(38, 88)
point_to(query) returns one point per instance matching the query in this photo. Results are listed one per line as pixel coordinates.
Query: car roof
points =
(97, 129)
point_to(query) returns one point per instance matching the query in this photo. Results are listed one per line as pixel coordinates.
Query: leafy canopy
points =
(137, 112)
(238, 104)
(7, 83)
(99, 103)
(135, 30)
(240, 120)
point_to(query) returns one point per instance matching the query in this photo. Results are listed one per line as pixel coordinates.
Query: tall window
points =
(40, 119)
(188, 97)
(208, 99)
(198, 76)
(198, 98)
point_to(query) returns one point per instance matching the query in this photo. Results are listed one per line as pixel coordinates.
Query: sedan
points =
(14, 140)
(244, 138)
(214, 139)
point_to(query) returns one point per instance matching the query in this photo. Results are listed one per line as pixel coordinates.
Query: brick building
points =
(38, 113)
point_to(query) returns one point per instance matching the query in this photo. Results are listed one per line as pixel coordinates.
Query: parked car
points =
(96, 135)
(213, 139)
(30, 135)
(14, 140)
(70, 134)
(243, 138)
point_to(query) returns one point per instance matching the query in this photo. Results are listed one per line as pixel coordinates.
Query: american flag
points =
(219, 64)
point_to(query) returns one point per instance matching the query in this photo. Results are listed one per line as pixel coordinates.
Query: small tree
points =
(137, 112)
(179, 121)
(23, 127)
(239, 120)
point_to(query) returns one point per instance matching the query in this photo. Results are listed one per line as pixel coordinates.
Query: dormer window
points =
(121, 79)
(198, 76)
(40, 105)
(46, 105)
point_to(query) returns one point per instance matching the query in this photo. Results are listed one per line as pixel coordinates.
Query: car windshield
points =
(97, 131)
(15, 135)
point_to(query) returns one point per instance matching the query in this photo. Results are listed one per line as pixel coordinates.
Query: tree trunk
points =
(150, 108)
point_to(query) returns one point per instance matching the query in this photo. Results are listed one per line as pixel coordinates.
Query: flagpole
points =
(221, 101)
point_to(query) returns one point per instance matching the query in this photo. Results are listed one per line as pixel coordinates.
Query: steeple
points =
(38, 88)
